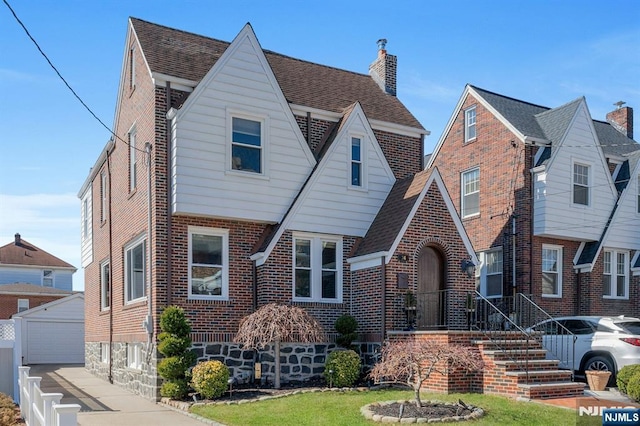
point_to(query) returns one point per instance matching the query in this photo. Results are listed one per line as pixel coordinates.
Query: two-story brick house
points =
(240, 177)
(550, 199)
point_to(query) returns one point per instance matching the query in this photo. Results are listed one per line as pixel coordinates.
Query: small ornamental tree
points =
(274, 323)
(346, 325)
(174, 343)
(411, 362)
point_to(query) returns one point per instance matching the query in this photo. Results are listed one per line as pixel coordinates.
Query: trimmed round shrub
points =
(174, 367)
(171, 345)
(342, 368)
(633, 387)
(210, 378)
(174, 321)
(346, 324)
(175, 389)
(625, 374)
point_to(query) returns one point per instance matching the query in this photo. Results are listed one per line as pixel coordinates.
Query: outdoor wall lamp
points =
(468, 267)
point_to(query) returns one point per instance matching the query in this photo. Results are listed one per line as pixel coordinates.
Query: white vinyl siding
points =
(615, 277)
(638, 195)
(470, 124)
(239, 85)
(470, 201)
(555, 215)
(551, 271)
(135, 265)
(208, 263)
(329, 205)
(317, 264)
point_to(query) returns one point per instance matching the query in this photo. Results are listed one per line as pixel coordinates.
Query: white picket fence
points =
(43, 409)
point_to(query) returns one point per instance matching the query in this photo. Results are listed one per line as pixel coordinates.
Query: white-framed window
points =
(47, 278)
(489, 273)
(470, 124)
(317, 268)
(470, 186)
(132, 67)
(551, 270)
(615, 277)
(105, 353)
(133, 161)
(208, 263)
(85, 218)
(105, 285)
(23, 305)
(135, 276)
(103, 196)
(134, 356)
(247, 143)
(357, 165)
(581, 184)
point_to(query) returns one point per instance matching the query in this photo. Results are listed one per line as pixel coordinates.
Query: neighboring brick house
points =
(271, 179)
(30, 277)
(550, 199)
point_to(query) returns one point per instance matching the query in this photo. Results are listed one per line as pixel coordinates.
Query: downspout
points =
(254, 289)
(309, 129)
(383, 273)
(513, 255)
(169, 222)
(579, 292)
(110, 373)
(149, 320)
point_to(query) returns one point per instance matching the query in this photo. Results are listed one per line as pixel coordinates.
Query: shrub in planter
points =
(342, 368)
(210, 378)
(625, 374)
(346, 325)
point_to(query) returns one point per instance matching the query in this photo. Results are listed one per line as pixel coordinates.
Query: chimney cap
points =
(619, 104)
(382, 43)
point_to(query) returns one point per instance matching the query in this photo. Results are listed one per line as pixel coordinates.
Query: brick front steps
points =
(507, 359)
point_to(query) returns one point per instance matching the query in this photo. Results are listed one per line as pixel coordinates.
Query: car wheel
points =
(601, 363)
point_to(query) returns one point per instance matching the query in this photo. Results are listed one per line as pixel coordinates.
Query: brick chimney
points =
(622, 119)
(383, 69)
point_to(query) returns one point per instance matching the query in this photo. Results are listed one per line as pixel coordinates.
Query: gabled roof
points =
(22, 253)
(52, 304)
(398, 211)
(189, 56)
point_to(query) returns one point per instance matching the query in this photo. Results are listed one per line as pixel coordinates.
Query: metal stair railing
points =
(527, 314)
(498, 326)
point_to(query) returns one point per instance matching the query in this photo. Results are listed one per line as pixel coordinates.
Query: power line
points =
(62, 78)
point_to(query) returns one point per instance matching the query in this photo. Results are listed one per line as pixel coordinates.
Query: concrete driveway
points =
(105, 404)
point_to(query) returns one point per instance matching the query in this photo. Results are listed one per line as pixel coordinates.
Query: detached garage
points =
(53, 333)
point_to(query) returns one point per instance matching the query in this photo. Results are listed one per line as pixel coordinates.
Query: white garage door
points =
(54, 342)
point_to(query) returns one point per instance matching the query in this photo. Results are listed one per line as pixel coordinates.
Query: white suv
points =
(601, 343)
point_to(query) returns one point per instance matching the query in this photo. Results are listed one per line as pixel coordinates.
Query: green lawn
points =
(336, 408)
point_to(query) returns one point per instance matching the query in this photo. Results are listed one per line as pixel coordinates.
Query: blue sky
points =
(544, 52)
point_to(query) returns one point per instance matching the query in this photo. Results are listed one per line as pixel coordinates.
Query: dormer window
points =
(356, 162)
(246, 145)
(470, 124)
(580, 184)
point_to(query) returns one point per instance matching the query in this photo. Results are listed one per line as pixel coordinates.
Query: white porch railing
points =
(43, 409)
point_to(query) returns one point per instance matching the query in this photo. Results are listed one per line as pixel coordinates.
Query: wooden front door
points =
(430, 288)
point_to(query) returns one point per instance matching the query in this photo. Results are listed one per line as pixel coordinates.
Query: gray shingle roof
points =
(190, 56)
(546, 123)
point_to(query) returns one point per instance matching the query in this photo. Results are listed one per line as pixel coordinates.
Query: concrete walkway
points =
(105, 404)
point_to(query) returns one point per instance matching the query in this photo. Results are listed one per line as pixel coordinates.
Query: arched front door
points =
(431, 296)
